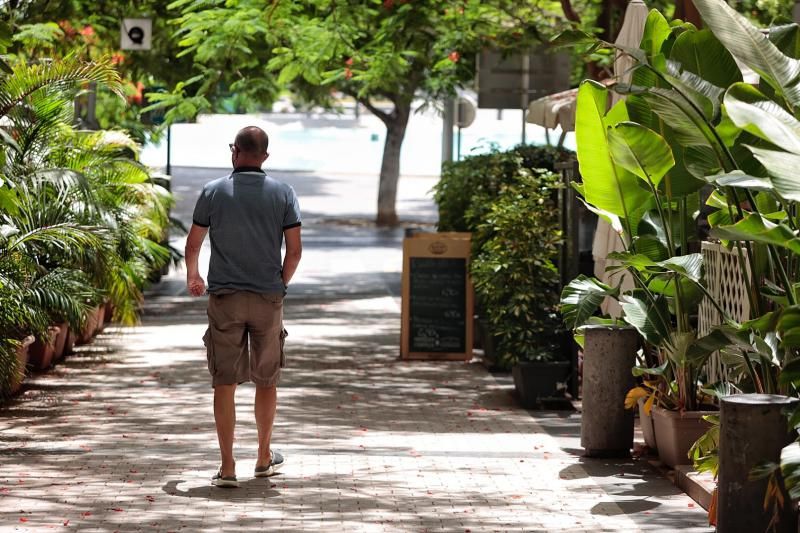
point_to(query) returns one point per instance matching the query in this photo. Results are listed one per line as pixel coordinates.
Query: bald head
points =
(252, 141)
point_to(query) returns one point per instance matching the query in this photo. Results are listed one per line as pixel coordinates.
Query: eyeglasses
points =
(233, 147)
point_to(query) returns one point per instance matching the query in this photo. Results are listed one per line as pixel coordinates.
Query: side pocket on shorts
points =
(209, 350)
(284, 334)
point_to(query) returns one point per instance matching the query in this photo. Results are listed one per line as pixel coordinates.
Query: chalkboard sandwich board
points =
(437, 297)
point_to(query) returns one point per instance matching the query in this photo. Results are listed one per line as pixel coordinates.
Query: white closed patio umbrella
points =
(606, 239)
(630, 35)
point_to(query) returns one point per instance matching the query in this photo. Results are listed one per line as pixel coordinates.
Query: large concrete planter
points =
(753, 429)
(608, 357)
(676, 431)
(534, 380)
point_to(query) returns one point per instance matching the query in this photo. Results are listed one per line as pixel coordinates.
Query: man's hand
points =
(196, 285)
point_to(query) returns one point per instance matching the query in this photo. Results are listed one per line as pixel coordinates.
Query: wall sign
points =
(136, 34)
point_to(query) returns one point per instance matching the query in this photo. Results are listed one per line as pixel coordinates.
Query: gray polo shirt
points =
(246, 213)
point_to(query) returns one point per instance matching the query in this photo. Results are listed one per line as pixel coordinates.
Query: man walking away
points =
(247, 215)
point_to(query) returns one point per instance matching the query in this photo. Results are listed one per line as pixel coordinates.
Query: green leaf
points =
(782, 168)
(690, 292)
(704, 95)
(787, 39)
(758, 229)
(703, 347)
(752, 111)
(689, 266)
(790, 374)
(290, 72)
(660, 370)
(686, 123)
(607, 186)
(789, 326)
(751, 46)
(651, 246)
(573, 38)
(612, 219)
(790, 469)
(638, 262)
(581, 298)
(656, 32)
(763, 324)
(739, 179)
(640, 151)
(701, 52)
(700, 161)
(649, 318)
(8, 201)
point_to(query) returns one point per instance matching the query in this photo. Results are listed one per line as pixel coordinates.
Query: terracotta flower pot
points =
(108, 312)
(61, 341)
(86, 335)
(646, 423)
(41, 352)
(99, 319)
(22, 363)
(676, 432)
(69, 343)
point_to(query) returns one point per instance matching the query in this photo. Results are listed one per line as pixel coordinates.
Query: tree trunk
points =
(390, 166)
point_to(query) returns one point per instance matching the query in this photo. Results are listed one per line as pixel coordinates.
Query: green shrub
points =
(514, 273)
(508, 201)
(472, 184)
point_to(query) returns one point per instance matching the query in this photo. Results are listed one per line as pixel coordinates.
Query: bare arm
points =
(294, 250)
(194, 241)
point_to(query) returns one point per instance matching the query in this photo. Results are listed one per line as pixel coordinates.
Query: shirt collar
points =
(247, 169)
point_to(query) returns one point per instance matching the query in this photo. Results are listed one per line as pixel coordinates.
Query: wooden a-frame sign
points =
(437, 297)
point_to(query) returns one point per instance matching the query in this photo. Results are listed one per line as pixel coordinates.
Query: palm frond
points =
(63, 75)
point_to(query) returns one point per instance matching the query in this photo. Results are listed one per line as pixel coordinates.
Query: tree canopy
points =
(383, 53)
(238, 55)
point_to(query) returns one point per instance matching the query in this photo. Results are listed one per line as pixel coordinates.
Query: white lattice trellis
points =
(726, 284)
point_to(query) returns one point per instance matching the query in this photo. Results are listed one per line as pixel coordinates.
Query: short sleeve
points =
(291, 217)
(202, 210)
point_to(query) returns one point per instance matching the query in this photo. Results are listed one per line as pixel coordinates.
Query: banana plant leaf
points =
(649, 317)
(790, 469)
(756, 228)
(701, 53)
(752, 47)
(581, 298)
(782, 168)
(640, 151)
(751, 110)
(607, 186)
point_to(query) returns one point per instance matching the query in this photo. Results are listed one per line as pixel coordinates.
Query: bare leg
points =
(266, 404)
(225, 418)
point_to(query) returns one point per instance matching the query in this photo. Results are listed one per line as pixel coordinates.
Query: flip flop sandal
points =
(227, 481)
(276, 461)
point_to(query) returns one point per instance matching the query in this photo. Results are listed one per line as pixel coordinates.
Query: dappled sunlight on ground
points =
(121, 435)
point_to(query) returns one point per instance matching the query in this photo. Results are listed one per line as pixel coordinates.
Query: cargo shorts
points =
(245, 337)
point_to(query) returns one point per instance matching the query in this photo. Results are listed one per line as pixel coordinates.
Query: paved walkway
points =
(121, 436)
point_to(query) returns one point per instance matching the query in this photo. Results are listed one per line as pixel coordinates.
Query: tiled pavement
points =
(121, 437)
